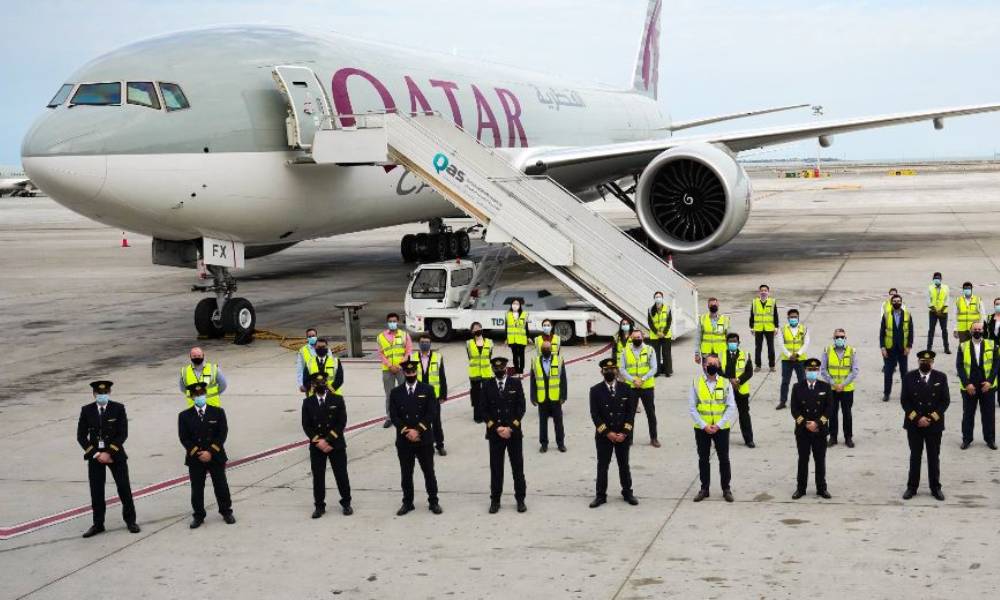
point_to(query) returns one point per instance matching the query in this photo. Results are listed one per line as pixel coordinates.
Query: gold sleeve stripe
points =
(422, 426)
(193, 450)
(823, 419)
(115, 448)
(334, 434)
(912, 415)
(798, 420)
(517, 423)
(89, 448)
(935, 416)
(628, 427)
(489, 424)
(316, 439)
(217, 449)
(601, 428)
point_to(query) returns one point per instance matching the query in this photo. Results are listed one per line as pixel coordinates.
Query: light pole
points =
(818, 112)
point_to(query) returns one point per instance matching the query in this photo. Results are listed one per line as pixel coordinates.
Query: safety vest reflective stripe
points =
(939, 297)
(763, 315)
(989, 349)
(713, 339)
(968, 312)
(555, 341)
(553, 380)
(904, 323)
(711, 402)
(394, 350)
(659, 319)
(479, 360)
(638, 367)
(838, 368)
(209, 375)
(306, 353)
(794, 342)
(433, 371)
(329, 367)
(741, 365)
(517, 328)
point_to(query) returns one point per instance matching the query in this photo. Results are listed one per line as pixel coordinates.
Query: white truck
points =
(446, 297)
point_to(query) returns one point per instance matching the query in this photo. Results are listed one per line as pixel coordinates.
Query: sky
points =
(854, 58)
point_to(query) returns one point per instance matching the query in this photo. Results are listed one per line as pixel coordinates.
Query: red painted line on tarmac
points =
(7, 533)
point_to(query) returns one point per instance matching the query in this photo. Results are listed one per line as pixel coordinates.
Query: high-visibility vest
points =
(638, 367)
(329, 367)
(711, 402)
(551, 383)
(209, 376)
(989, 349)
(555, 341)
(479, 360)
(394, 350)
(887, 306)
(713, 338)
(968, 312)
(938, 297)
(904, 325)
(306, 352)
(741, 364)
(763, 314)
(794, 342)
(839, 369)
(433, 371)
(517, 328)
(658, 317)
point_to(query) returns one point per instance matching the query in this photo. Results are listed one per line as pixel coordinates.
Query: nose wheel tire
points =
(440, 330)
(204, 321)
(464, 243)
(408, 248)
(240, 319)
(565, 331)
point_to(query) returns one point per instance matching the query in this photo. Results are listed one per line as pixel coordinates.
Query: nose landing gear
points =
(224, 314)
(442, 243)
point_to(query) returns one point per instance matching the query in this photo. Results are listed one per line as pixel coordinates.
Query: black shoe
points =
(387, 424)
(831, 443)
(756, 369)
(965, 445)
(318, 512)
(543, 449)
(780, 406)
(435, 508)
(229, 518)
(94, 530)
(885, 397)
(798, 494)
(521, 506)
(909, 493)
(562, 448)
(196, 522)
(991, 445)
(442, 451)
(494, 507)
(938, 495)
(849, 443)
(701, 495)
(947, 351)
(132, 527)
(750, 444)
(347, 510)
(824, 494)
(727, 496)
(597, 502)
(404, 509)
(773, 370)
(631, 499)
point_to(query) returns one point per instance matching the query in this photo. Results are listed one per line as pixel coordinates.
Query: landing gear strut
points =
(441, 243)
(215, 317)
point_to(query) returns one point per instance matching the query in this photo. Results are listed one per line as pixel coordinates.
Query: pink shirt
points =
(391, 336)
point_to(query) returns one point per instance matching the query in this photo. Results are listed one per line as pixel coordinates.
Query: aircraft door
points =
(309, 107)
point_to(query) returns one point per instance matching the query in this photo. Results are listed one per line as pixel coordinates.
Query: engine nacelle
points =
(693, 198)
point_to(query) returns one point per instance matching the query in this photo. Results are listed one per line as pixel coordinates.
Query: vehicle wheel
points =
(452, 240)
(203, 322)
(440, 330)
(240, 319)
(420, 245)
(437, 248)
(464, 244)
(565, 331)
(408, 247)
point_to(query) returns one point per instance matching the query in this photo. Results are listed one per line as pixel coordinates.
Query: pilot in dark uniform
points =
(503, 408)
(925, 399)
(812, 404)
(412, 408)
(324, 416)
(101, 432)
(202, 430)
(613, 413)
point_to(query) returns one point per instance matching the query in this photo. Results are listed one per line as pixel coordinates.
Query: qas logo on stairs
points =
(441, 163)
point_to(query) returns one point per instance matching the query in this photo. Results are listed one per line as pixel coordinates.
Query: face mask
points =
(546, 353)
(410, 378)
(996, 308)
(321, 391)
(812, 375)
(925, 367)
(609, 376)
(626, 327)
(713, 309)
(658, 300)
(321, 351)
(794, 322)
(977, 334)
(936, 281)
(636, 343)
(425, 347)
(102, 399)
(840, 342)
(392, 325)
(515, 307)
(732, 346)
(312, 340)
(712, 370)
(967, 292)
(200, 401)
(499, 373)
(546, 329)
(763, 295)
(197, 361)
(897, 306)
(477, 333)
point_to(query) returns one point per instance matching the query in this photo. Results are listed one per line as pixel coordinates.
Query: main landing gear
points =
(441, 243)
(215, 317)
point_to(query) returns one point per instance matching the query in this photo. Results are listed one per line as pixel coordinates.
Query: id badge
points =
(100, 445)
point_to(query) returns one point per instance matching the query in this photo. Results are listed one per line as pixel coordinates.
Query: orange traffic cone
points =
(124, 241)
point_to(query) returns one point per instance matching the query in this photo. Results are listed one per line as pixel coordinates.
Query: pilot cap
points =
(196, 387)
(926, 355)
(409, 365)
(608, 363)
(101, 386)
(812, 362)
(499, 361)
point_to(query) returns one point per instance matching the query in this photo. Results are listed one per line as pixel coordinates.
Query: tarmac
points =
(77, 307)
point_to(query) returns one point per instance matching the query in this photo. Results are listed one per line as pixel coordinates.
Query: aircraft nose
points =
(64, 157)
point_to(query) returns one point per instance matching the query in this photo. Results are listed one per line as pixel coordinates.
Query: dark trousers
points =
(476, 398)
(918, 439)
(664, 360)
(704, 442)
(338, 462)
(605, 448)
(987, 412)
(943, 322)
(97, 474)
(546, 410)
(436, 427)
(758, 339)
(815, 443)
(515, 452)
(842, 401)
(424, 454)
(647, 397)
(743, 406)
(787, 367)
(198, 470)
(517, 356)
(889, 363)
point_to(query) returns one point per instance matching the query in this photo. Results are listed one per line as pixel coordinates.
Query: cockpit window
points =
(142, 93)
(173, 97)
(61, 95)
(98, 94)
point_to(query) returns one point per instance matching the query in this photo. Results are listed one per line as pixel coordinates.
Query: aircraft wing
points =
(581, 167)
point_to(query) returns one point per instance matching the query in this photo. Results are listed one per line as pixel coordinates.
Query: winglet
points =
(647, 63)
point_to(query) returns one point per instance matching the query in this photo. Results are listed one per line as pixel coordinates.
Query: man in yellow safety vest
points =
(977, 364)
(712, 329)
(660, 319)
(712, 407)
(839, 368)
(394, 346)
(201, 371)
(548, 392)
(323, 361)
(479, 350)
(302, 357)
(637, 365)
(738, 369)
(430, 370)
(794, 352)
(937, 305)
(895, 337)
(763, 324)
(968, 310)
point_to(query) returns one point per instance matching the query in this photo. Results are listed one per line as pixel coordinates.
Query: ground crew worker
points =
(324, 416)
(548, 392)
(925, 398)
(712, 330)
(637, 366)
(811, 407)
(738, 369)
(660, 320)
(206, 372)
(504, 410)
(517, 333)
(622, 339)
(937, 305)
(479, 350)
(992, 329)
(547, 336)
(394, 346)
(887, 304)
(976, 365)
(712, 407)
(101, 432)
(794, 352)
(613, 414)
(202, 430)
(302, 358)
(968, 310)
(323, 361)
(895, 337)
(839, 368)
(411, 410)
(430, 370)
(763, 324)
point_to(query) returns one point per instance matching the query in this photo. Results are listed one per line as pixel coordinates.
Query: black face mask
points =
(410, 378)
(609, 376)
(546, 353)
(477, 333)
(712, 370)
(925, 367)
(197, 361)
(977, 334)
(499, 373)
(321, 351)
(637, 343)
(713, 309)
(897, 306)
